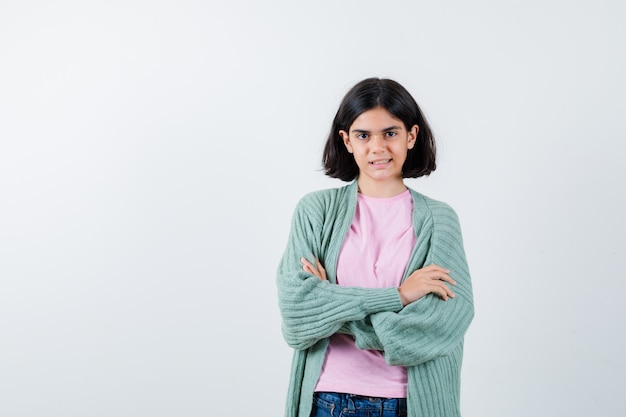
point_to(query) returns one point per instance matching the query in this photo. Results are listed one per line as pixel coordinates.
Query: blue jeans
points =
(331, 404)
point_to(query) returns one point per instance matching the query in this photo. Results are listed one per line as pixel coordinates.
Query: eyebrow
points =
(384, 130)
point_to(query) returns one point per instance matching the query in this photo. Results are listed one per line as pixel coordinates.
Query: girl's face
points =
(379, 143)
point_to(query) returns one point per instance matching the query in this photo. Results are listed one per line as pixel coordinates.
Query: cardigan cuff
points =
(383, 299)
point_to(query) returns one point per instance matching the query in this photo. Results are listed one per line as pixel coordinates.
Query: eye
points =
(361, 136)
(390, 134)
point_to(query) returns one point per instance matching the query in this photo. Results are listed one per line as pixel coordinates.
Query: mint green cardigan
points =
(425, 336)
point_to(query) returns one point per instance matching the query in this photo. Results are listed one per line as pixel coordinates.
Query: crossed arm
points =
(430, 279)
(421, 331)
(415, 322)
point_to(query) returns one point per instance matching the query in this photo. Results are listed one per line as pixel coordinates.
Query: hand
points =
(317, 269)
(430, 279)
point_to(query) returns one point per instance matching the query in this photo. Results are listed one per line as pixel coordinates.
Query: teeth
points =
(381, 162)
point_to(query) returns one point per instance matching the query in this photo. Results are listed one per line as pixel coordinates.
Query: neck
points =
(381, 190)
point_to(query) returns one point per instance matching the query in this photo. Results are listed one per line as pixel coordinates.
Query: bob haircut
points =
(370, 94)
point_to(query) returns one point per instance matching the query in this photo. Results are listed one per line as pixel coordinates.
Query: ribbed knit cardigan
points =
(426, 336)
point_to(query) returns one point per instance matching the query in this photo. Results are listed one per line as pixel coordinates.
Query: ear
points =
(346, 140)
(413, 136)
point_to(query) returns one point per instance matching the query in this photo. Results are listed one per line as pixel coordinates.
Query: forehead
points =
(376, 119)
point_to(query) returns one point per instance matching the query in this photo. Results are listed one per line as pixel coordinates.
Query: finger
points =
(435, 267)
(319, 265)
(312, 270)
(441, 276)
(307, 265)
(438, 291)
(447, 278)
(441, 293)
(320, 268)
(444, 291)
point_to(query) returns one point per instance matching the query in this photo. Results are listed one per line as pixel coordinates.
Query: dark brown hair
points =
(393, 97)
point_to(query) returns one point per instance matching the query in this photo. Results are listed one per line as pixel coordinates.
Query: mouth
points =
(380, 162)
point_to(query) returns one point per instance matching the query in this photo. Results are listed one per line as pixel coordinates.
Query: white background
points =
(152, 153)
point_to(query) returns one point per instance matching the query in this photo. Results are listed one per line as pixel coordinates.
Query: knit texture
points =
(426, 336)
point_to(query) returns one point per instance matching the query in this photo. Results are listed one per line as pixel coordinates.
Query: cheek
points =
(358, 156)
(359, 153)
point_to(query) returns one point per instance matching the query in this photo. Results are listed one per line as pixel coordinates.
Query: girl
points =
(373, 287)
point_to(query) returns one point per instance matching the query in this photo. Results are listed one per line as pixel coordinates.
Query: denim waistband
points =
(362, 402)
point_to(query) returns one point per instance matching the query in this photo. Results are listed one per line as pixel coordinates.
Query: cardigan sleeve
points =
(313, 309)
(430, 327)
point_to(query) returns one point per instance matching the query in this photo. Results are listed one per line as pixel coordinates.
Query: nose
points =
(378, 142)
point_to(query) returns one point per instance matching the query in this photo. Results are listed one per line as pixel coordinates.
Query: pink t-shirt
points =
(374, 255)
